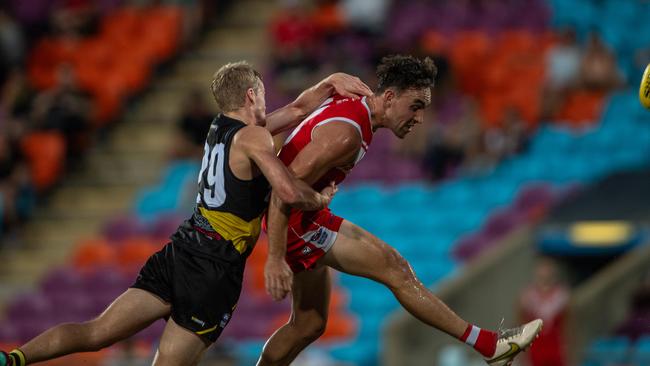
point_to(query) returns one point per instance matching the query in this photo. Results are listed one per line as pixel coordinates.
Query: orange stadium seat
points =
(469, 52)
(161, 31)
(434, 43)
(45, 152)
(581, 108)
(255, 265)
(134, 252)
(516, 42)
(93, 253)
(328, 19)
(45, 58)
(339, 326)
(493, 108)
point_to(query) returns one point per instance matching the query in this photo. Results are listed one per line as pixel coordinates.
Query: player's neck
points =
(376, 112)
(243, 115)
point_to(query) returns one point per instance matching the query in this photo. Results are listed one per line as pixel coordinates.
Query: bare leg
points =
(359, 253)
(131, 312)
(179, 347)
(311, 295)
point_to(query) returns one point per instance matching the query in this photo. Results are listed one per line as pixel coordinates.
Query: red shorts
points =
(311, 235)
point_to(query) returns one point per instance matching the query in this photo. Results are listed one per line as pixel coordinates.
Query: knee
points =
(311, 328)
(165, 357)
(398, 271)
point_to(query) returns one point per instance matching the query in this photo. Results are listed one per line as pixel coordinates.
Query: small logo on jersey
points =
(224, 320)
(319, 237)
(306, 250)
(198, 321)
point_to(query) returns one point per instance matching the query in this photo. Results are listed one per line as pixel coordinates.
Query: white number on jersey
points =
(214, 193)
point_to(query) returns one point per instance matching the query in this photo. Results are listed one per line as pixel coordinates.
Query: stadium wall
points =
(601, 303)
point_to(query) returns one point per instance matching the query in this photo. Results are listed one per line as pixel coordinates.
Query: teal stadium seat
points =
(169, 195)
(641, 354)
(608, 351)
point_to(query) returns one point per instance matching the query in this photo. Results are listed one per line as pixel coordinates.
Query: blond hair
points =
(230, 83)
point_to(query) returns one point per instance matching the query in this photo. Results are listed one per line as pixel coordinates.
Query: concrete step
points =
(59, 233)
(248, 41)
(159, 105)
(143, 137)
(92, 200)
(118, 168)
(251, 13)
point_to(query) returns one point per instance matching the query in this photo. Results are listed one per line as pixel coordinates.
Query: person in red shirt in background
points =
(546, 298)
(293, 37)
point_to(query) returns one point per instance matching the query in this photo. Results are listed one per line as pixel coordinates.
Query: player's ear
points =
(388, 95)
(250, 95)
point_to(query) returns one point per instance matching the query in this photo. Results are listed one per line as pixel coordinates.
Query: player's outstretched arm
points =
(257, 144)
(290, 115)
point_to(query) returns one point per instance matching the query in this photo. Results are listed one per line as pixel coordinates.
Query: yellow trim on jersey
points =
(243, 234)
(207, 330)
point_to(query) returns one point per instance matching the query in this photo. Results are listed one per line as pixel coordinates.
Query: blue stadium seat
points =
(248, 351)
(362, 352)
(168, 196)
(605, 351)
(641, 354)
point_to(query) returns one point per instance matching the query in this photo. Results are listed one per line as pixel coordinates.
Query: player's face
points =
(260, 105)
(406, 109)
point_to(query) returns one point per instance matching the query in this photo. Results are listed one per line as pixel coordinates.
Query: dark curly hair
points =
(405, 72)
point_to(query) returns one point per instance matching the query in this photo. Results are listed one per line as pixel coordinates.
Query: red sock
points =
(481, 340)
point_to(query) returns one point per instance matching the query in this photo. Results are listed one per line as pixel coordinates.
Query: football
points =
(644, 88)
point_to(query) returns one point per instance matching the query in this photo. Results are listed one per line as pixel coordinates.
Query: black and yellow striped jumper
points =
(200, 272)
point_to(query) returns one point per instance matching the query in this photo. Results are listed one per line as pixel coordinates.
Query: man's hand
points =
(348, 86)
(329, 192)
(278, 277)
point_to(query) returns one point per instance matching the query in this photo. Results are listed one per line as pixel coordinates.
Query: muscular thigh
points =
(358, 252)
(179, 347)
(311, 294)
(132, 311)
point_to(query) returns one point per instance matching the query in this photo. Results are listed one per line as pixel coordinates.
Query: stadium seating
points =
(438, 229)
(116, 63)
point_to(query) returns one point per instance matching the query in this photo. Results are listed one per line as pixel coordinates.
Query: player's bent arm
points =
(257, 144)
(290, 115)
(334, 144)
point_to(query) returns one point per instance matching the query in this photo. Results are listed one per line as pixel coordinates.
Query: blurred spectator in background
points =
(294, 45)
(546, 298)
(66, 109)
(16, 193)
(638, 322)
(74, 17)
(327, 18)
(455, 129)
(12, 43)
(598, 69)
(16, 96)
(368, 17)
(193, 127)
(507, 141)
(562, 71)
(15, 185)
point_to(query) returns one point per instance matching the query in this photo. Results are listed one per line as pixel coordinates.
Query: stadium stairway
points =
(134, 154)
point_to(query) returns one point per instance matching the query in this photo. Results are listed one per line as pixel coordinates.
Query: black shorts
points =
(201, 284)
